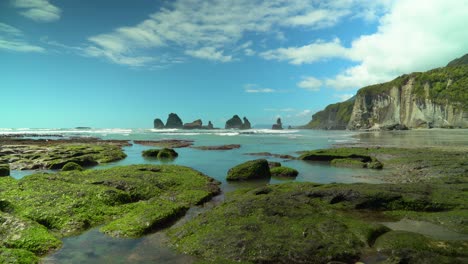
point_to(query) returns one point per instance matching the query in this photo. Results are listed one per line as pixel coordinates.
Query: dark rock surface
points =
(158, 123)
(174, 121)
(246, 124)
(197, 124)
(278, 125)
(254, 169)
(234, 122)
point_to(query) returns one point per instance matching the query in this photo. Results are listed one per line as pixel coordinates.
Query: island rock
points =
(278, 125)
(197, 124)
(174, 121)
(234, 122)
(246, 124)
(158, 123)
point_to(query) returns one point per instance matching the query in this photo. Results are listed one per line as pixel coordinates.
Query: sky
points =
(123, 63)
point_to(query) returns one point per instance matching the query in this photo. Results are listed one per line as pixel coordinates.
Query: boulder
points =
(234, 122)
(278, 125)
(165, 153)
(246, 124)
(197, 124)
(254, 169)
(158, 123)
(4, 170)
(173, 121)
(210, 125)
(72, 166)
(284, 172)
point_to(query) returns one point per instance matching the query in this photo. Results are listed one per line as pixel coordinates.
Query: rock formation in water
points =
(246, 124)
(158, 123)
(174, 121)
(209, 126)
(234, 122)
(278, 125)
(436, 98)
(197, 124)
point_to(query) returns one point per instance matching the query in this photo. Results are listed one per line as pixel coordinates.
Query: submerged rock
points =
(166, 143)
(222, 147)
(158, 123)
(254, 169)
(174, 121)
(197, 124)
(278, 125)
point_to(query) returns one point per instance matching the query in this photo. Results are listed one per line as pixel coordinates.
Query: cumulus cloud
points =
(412, 36)
(343, 97)
(13, 39)
(310, 83)
(38, 10)
(204, 29)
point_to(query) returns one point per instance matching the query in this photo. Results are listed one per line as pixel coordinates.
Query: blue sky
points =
(122, 63)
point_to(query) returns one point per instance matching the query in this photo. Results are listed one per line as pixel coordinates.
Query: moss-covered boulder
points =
(17, 256)
(254, 169)
(167, 153)
(72, 166)
(344, 157)
(284, 172)
(4, 170)
(150, 153)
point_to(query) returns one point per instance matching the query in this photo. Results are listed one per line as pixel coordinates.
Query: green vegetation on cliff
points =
(334, 116)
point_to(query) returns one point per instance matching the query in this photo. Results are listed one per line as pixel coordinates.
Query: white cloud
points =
(38, 10)
(303, 113)
(203, 28)
(343, 97)
(310, 83)
(253, 88)
(316, 51)
(209, 53)
(12, 39)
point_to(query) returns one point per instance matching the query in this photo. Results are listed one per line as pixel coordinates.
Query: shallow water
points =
(94, 247)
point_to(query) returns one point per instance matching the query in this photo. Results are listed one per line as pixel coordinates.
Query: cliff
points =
(436, 98)
(333, 117)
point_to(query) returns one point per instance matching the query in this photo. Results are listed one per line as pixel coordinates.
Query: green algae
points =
(130, 201)
(283, 172)
(17, 256)
(253, 169)
(162, 154)
(70, 166)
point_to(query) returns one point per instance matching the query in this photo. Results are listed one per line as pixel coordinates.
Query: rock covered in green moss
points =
(150, 153)
(4, 170)
(17, 256)
(284, 172)
(312, 223)
(254, 169)
(344, 157)
(72, 166)
(128, 201)
(167, 153)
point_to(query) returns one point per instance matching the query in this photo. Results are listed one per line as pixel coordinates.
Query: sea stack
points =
(174, 121)
(197, 124)
(278, 125)
(236, 123)
(209, 126)
(158, 123)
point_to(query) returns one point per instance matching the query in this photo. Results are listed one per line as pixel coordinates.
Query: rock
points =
(394, 127)
(246, 124)
(235, 122)
(333, 117)
(72, 166)
(197, 124)
(254, 169)
(174, 121)
(278, 125)
(167, 153)
(158, 123)
(289, 127)
(222, 147)
(4, 170)
(150, 153)
(284, 172)
(210, 125)
(166, 143)
(273, 164)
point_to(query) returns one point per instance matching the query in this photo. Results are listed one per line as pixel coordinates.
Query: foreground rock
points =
(284, 172)
(344, 157)
(250, 170)
(158, 123)
(55, 155)
(222, 147)
(278, 125)
(127, 201)
(166, 143)
(312, 223)
(173, 121)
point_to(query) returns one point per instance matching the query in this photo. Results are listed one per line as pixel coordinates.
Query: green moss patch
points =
(71, 166)
(254, 169)
(284, 172)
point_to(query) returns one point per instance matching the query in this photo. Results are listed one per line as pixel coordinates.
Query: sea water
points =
(94, 247)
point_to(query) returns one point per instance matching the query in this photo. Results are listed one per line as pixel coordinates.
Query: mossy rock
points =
(72, 166)
(284, 172)
(348, 163)
(167, 153)
(127, 201)
(4, 170)
(17, 256)
(254, 169)
(150, 153)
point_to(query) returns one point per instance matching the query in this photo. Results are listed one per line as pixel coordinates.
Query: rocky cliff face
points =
(436, 98)
(173, 121)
